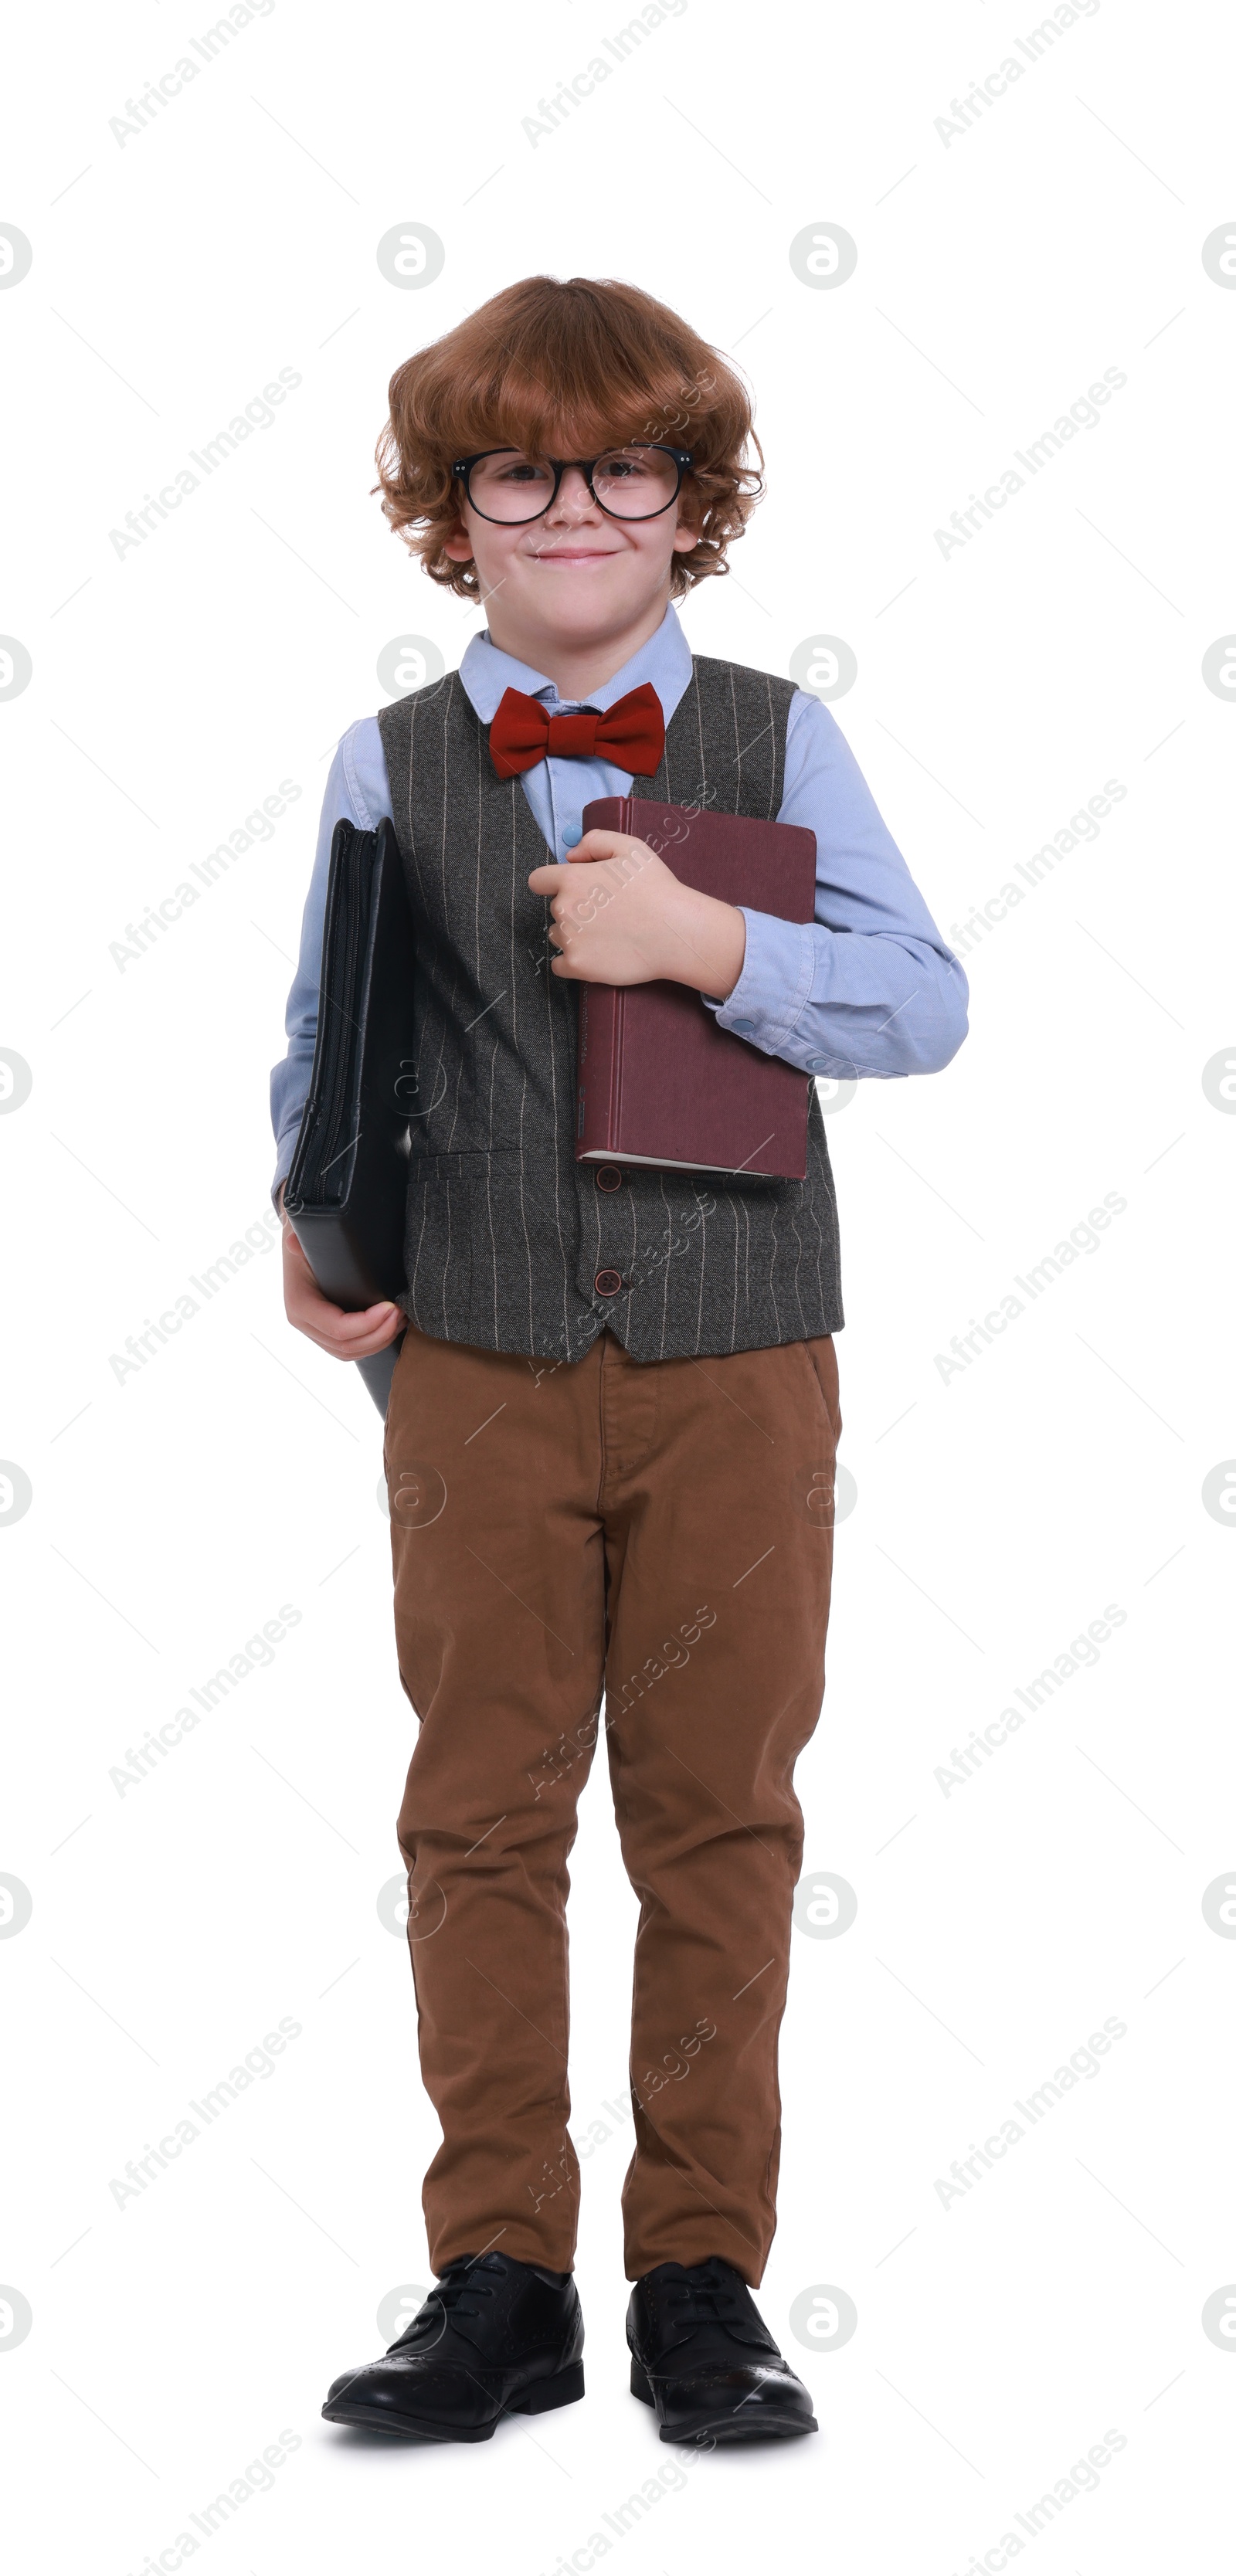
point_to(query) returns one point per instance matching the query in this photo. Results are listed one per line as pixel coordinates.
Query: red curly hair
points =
(566, 366)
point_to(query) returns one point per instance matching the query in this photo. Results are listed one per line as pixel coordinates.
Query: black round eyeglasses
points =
(634, 482)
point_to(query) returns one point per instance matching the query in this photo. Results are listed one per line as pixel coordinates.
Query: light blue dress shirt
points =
(867, 989)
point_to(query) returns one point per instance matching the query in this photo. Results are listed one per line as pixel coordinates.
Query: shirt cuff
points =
(774, 985)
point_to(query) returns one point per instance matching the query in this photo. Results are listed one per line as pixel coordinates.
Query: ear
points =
(687, 525)
(458, 546)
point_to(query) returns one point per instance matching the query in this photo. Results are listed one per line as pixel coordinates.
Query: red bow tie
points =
(631, 734)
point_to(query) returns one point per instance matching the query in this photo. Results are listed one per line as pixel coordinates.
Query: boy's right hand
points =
(346, 1337)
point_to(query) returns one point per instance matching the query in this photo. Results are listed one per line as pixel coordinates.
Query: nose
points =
(574, 500)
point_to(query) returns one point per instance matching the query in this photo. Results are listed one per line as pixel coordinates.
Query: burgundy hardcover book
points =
(658, 1081)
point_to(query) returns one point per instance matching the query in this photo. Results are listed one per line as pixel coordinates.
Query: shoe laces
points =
(708, 2290)
(460, 2282)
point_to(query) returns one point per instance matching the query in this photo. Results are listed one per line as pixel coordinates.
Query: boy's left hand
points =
(630, 920)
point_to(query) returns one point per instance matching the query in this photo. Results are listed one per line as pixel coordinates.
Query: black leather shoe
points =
(703, 2356)
(494, 2338)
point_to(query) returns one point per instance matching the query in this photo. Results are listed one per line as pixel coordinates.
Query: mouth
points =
(574, 554)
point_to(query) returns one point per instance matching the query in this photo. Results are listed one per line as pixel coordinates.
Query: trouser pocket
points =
(821, 1359)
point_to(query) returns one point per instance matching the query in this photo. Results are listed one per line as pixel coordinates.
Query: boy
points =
(614, 1412)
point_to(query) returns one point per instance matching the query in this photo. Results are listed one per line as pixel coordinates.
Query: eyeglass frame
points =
(683, 458)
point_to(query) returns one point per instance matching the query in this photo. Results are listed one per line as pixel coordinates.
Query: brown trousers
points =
(660, 1533)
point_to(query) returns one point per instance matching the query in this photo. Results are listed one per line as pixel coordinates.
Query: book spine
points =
(599, 1075)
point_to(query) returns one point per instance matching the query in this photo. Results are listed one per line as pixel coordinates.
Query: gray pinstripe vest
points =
(506, 1233)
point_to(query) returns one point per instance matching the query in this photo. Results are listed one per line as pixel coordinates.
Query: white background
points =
(998, 1513)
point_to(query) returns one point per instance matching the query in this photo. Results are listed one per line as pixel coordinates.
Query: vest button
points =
(608, 1283)
(609, 1177)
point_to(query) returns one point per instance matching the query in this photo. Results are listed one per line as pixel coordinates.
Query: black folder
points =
(347, 1188)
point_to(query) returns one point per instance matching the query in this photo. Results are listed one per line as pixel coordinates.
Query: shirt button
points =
(608, 1283)
(609, 1177)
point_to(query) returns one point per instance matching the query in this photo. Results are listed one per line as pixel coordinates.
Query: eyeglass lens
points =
(629, 482)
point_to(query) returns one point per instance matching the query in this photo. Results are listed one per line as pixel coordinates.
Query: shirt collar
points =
(665, 660)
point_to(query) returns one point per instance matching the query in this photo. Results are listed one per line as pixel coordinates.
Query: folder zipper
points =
(339, 1068)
